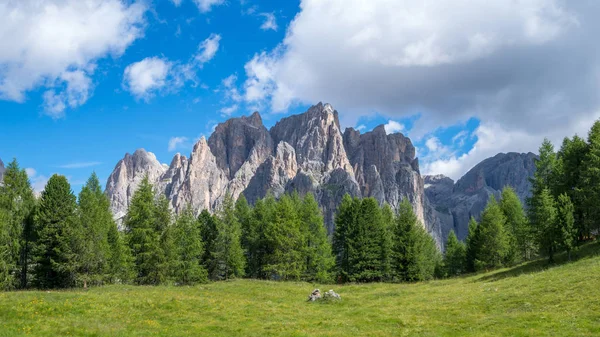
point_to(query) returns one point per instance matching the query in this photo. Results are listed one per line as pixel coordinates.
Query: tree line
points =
(60, 240)
(562, 212)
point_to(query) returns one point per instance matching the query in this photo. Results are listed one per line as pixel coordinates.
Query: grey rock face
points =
(303, 153)
(2, 169)
(454, 204)
(386, 168)
(127, 176)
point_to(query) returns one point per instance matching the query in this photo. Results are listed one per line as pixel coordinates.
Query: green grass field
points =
(533, 299)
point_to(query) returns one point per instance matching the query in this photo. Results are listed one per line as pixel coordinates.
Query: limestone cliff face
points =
(455, 203)
(386, 168)
(303, 153)
(127, 176)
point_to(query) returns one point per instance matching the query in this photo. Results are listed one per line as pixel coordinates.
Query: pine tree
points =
(545, 216)
(591, 181)
(143, 236)
(566, 223)
(345, 222)
(189, 249)
(492, 239)
(317, 252)
(227, 257)
(472, 245)
(96, 221)
(519, 238)
(18, 203)
(455, 256)
(285, 259)
(56, 226)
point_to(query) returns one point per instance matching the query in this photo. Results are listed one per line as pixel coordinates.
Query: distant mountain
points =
(305, 152)
(455, 203)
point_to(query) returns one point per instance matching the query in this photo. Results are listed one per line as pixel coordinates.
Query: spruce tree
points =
(414, 253)
(317, 250)
(345, 222)
(120, 261)
(472, 245)
(18, 203)
(7, 263)
(57, 232)
(389, 221)
(493, 244)
(285, 259)
(96, 221)
(208, 231)
(517, 230)
(263, 216)
(365, 254)
(455, 256)
(143, 236)
(189, 249)
(167, 252)
(228, 259)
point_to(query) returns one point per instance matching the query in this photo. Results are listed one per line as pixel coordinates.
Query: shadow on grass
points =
(587, 250)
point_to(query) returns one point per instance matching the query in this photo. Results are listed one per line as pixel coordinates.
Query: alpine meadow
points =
(453, 190)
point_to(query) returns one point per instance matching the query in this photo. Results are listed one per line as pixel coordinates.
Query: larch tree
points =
(227, 256)
(454, 256)
(189, 249)
(317, 249)
(492, 238)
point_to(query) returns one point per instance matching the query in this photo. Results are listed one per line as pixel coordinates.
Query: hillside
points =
(528, 300)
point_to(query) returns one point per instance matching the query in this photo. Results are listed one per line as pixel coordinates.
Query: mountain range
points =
(309, 152)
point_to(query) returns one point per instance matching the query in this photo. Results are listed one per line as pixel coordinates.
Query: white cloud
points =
(362, 127)
(177, 3)
(206, 5)
(229, 110)
(177, 142)
(208, 48)
(393, 127)
(38, 181)
(270, 22)
(78, 165)
(526, 66)
(460, 138)
(231, 90)
(56, 43)
(146, 77)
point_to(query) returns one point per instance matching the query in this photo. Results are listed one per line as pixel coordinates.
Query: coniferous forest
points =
(60, 240)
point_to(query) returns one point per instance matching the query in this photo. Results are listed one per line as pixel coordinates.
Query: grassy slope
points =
(529, 300)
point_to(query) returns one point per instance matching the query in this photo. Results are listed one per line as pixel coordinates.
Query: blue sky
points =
(82, 84)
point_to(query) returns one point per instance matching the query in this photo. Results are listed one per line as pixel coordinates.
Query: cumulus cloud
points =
(177, 142)
(206, 5)
(56, 43)
(393, 127)
(144, 78)
(270, 22)
(208, 48)
(152, 75)
(525, 67)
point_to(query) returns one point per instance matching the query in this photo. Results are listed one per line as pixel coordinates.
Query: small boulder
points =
(331, 295)
(315, 295)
